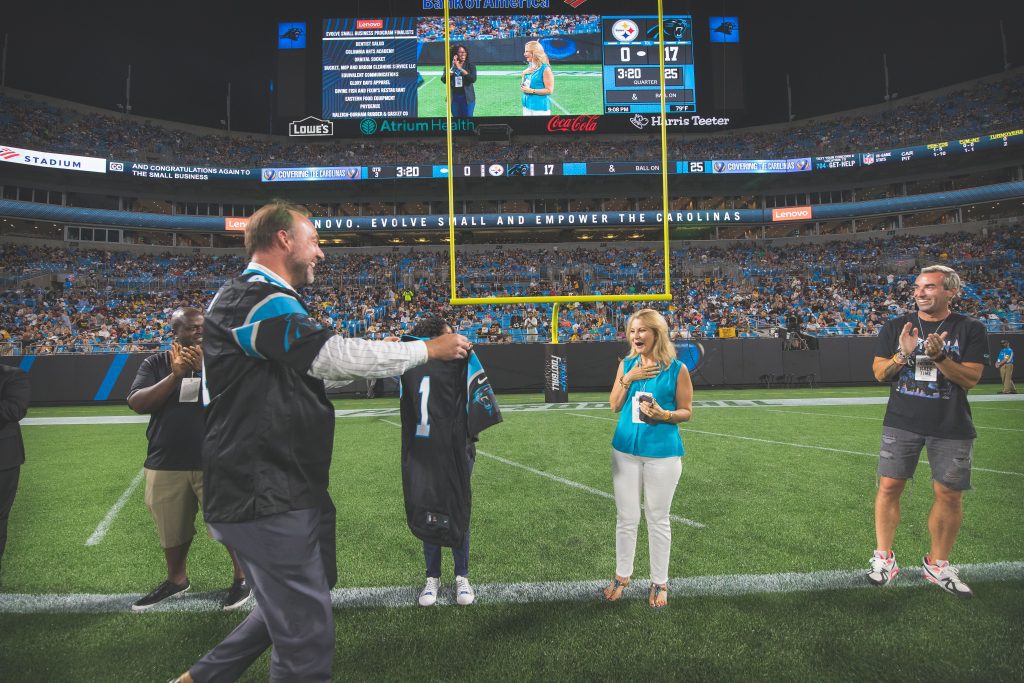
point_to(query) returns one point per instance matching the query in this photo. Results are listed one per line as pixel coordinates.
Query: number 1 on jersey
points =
(423, 428)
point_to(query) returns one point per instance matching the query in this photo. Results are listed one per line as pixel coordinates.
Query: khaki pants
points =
(174, 497)
(1006, 373)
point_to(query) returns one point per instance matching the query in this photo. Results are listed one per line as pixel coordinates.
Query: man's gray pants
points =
(290, 562)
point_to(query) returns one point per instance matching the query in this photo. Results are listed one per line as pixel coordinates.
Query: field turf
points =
(767, 587)
(577, 90)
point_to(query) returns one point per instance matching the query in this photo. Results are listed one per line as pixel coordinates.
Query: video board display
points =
(396, 67)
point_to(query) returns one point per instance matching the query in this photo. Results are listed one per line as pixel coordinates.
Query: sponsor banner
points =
(584, 123)
(792, 213)
(578, 220)
(235, 224)
(761, 165)
(279, 175)
(835, 161)
(556, 375)
(180, 172)
(311, 126)
(68, 162)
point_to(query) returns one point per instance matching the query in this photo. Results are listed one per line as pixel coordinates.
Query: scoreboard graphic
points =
(396, 67)
(632, 70)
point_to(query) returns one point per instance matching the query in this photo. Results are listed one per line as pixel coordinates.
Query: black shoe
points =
(238, 595)
(159, 594)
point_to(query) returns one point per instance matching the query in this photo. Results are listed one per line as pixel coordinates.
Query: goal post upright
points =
(456, 300)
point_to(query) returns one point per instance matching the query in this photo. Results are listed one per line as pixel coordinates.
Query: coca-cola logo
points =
(584, 123)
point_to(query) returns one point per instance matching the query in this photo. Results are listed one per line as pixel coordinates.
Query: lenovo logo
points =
(792, 213)
(369, 24)
(235, 224)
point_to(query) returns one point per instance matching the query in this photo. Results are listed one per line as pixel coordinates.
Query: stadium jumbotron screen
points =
(393, 66)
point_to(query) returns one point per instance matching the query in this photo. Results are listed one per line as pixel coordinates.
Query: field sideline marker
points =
(522, 593)
(101, 530)
(568, 482)
(794, 445)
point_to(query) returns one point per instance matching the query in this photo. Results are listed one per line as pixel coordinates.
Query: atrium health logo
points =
(367, 126)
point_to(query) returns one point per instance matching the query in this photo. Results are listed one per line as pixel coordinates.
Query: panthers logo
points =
(484, 396)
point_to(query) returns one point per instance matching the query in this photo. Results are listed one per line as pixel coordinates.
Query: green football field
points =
(577, 90)
(772, 530)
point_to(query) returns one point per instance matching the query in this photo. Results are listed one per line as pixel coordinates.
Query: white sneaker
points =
(883, 569)
(945, 577)
(464, 594)
(428, 596)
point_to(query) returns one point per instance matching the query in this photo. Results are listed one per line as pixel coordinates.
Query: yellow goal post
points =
(462, 301)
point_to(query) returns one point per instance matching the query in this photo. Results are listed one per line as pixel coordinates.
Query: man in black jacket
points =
(14, 397)
(269, 439)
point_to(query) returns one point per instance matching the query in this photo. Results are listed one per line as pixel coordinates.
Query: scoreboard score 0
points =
(631, 64)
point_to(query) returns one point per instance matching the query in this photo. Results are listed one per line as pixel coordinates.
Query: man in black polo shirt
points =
(931, 358)
(167, 389)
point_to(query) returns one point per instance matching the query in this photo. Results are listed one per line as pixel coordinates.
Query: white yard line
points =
(567, 482)
(792, 445)
(522, 593)
(560, 107)
(559, 407)
(104, 526)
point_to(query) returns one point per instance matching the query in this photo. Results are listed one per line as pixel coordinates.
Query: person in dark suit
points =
(463, 74)
(14, 396)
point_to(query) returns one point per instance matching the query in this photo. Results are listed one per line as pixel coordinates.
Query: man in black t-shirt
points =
(931, 358)
(167, 389)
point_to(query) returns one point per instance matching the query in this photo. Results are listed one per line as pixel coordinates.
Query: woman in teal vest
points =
(538, 82)
(652, 394)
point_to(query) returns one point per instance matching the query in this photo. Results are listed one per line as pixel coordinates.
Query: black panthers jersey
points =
(445, 405)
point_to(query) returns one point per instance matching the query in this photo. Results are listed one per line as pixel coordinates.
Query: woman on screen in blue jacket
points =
(538, 82)
(652, 393)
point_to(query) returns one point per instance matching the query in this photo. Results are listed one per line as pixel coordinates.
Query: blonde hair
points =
(950, 280)
(664, 352)
(536, 50)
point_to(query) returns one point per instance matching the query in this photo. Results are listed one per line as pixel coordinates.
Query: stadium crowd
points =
(976, 108)
(431, 29)
(120, 301)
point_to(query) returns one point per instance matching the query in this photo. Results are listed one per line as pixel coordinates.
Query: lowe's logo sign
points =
(311, 126)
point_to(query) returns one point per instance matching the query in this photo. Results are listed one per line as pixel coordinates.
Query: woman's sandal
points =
(613, 591)
(658, 596)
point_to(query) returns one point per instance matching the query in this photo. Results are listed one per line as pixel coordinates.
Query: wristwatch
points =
(901, 358)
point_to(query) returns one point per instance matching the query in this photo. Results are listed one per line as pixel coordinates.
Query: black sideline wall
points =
(98, 378)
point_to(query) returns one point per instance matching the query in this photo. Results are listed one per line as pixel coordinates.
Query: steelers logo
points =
(625, 30)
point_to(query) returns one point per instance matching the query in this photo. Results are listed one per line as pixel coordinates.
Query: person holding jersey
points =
(463, 74)
(269, 442)
(652, 393)
(538, 83)
(445, 405)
